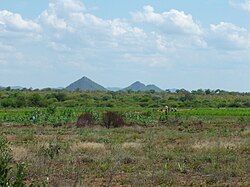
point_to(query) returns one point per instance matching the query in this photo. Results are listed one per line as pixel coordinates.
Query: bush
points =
(6, 171)
(113, 119)
(85, 119)
(36, 100)
(8, 102)
(51, 151)
(51, 110)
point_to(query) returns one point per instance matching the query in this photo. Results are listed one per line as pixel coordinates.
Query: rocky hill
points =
(138, 86)
(85, 84)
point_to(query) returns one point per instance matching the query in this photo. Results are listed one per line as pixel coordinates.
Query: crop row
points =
(52, 115)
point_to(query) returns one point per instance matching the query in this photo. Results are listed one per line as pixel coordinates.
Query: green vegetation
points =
(181, 99)
(124, 139)
(6, 169)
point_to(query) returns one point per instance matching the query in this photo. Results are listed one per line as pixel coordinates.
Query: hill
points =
(153, 87)
(138, 86)
(16, 87)
(12, 87)
(85, 84)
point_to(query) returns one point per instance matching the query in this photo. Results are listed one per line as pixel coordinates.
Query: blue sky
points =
(173, 44)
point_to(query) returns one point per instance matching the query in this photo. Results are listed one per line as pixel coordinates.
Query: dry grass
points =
(19, 153)
(228, 144)
(134, 156)
(11, 138)
(40, 145)
(131, 145)
(53, 137)
(246, 133)
(44, 137)
(87, 146)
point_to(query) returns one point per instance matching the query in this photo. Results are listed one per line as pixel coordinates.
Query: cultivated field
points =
(204, 146)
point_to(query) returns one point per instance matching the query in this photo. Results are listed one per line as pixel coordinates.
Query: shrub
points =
(51, 110)
(6, 171)
(51, 151)
(5, 160)
(36, 100)
(163, 118)
(113, 119)
(85, 119)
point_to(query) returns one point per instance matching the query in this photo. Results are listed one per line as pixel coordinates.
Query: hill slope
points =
(85, 84)
(137, 86)
(153, 87)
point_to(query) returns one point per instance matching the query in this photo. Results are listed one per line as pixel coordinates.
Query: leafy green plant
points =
(9, 178)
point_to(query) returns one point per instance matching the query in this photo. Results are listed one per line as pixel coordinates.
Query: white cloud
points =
(74, 37)
(153, 60)
(53, 21)
(59, 47)
(177, 27)
(173, 21)
(15, 22)
(75, 28)
(230, 36)
(241, 4)
(63, 6)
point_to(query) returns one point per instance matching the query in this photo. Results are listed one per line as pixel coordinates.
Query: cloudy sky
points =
(171, 43)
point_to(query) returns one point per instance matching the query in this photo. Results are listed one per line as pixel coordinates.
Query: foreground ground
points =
(208, 151)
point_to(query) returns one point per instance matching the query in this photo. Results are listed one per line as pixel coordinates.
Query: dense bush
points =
(85, 119)
(181, 99)
(112, 119)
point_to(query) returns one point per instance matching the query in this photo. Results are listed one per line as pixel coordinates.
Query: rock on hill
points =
(85, 84)
(138, 86)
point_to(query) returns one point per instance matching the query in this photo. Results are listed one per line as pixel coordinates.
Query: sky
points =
(171, 43)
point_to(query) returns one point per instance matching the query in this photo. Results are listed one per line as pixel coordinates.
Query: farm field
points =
(124, 93)
(190, 147)
(143, 116)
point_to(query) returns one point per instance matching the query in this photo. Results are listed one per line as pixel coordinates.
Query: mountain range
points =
(12, 87)
(85, 84)
(138, 86)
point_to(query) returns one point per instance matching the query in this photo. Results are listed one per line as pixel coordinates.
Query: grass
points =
(216, 112)
(192, 148)
(136, 115)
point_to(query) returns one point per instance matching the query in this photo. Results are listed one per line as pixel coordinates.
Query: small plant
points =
(6, 171)
(113, 119)
(20, 175)
(51, 110)
(85, 119)
(51, 150)
(5, 160)
(163, 118)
